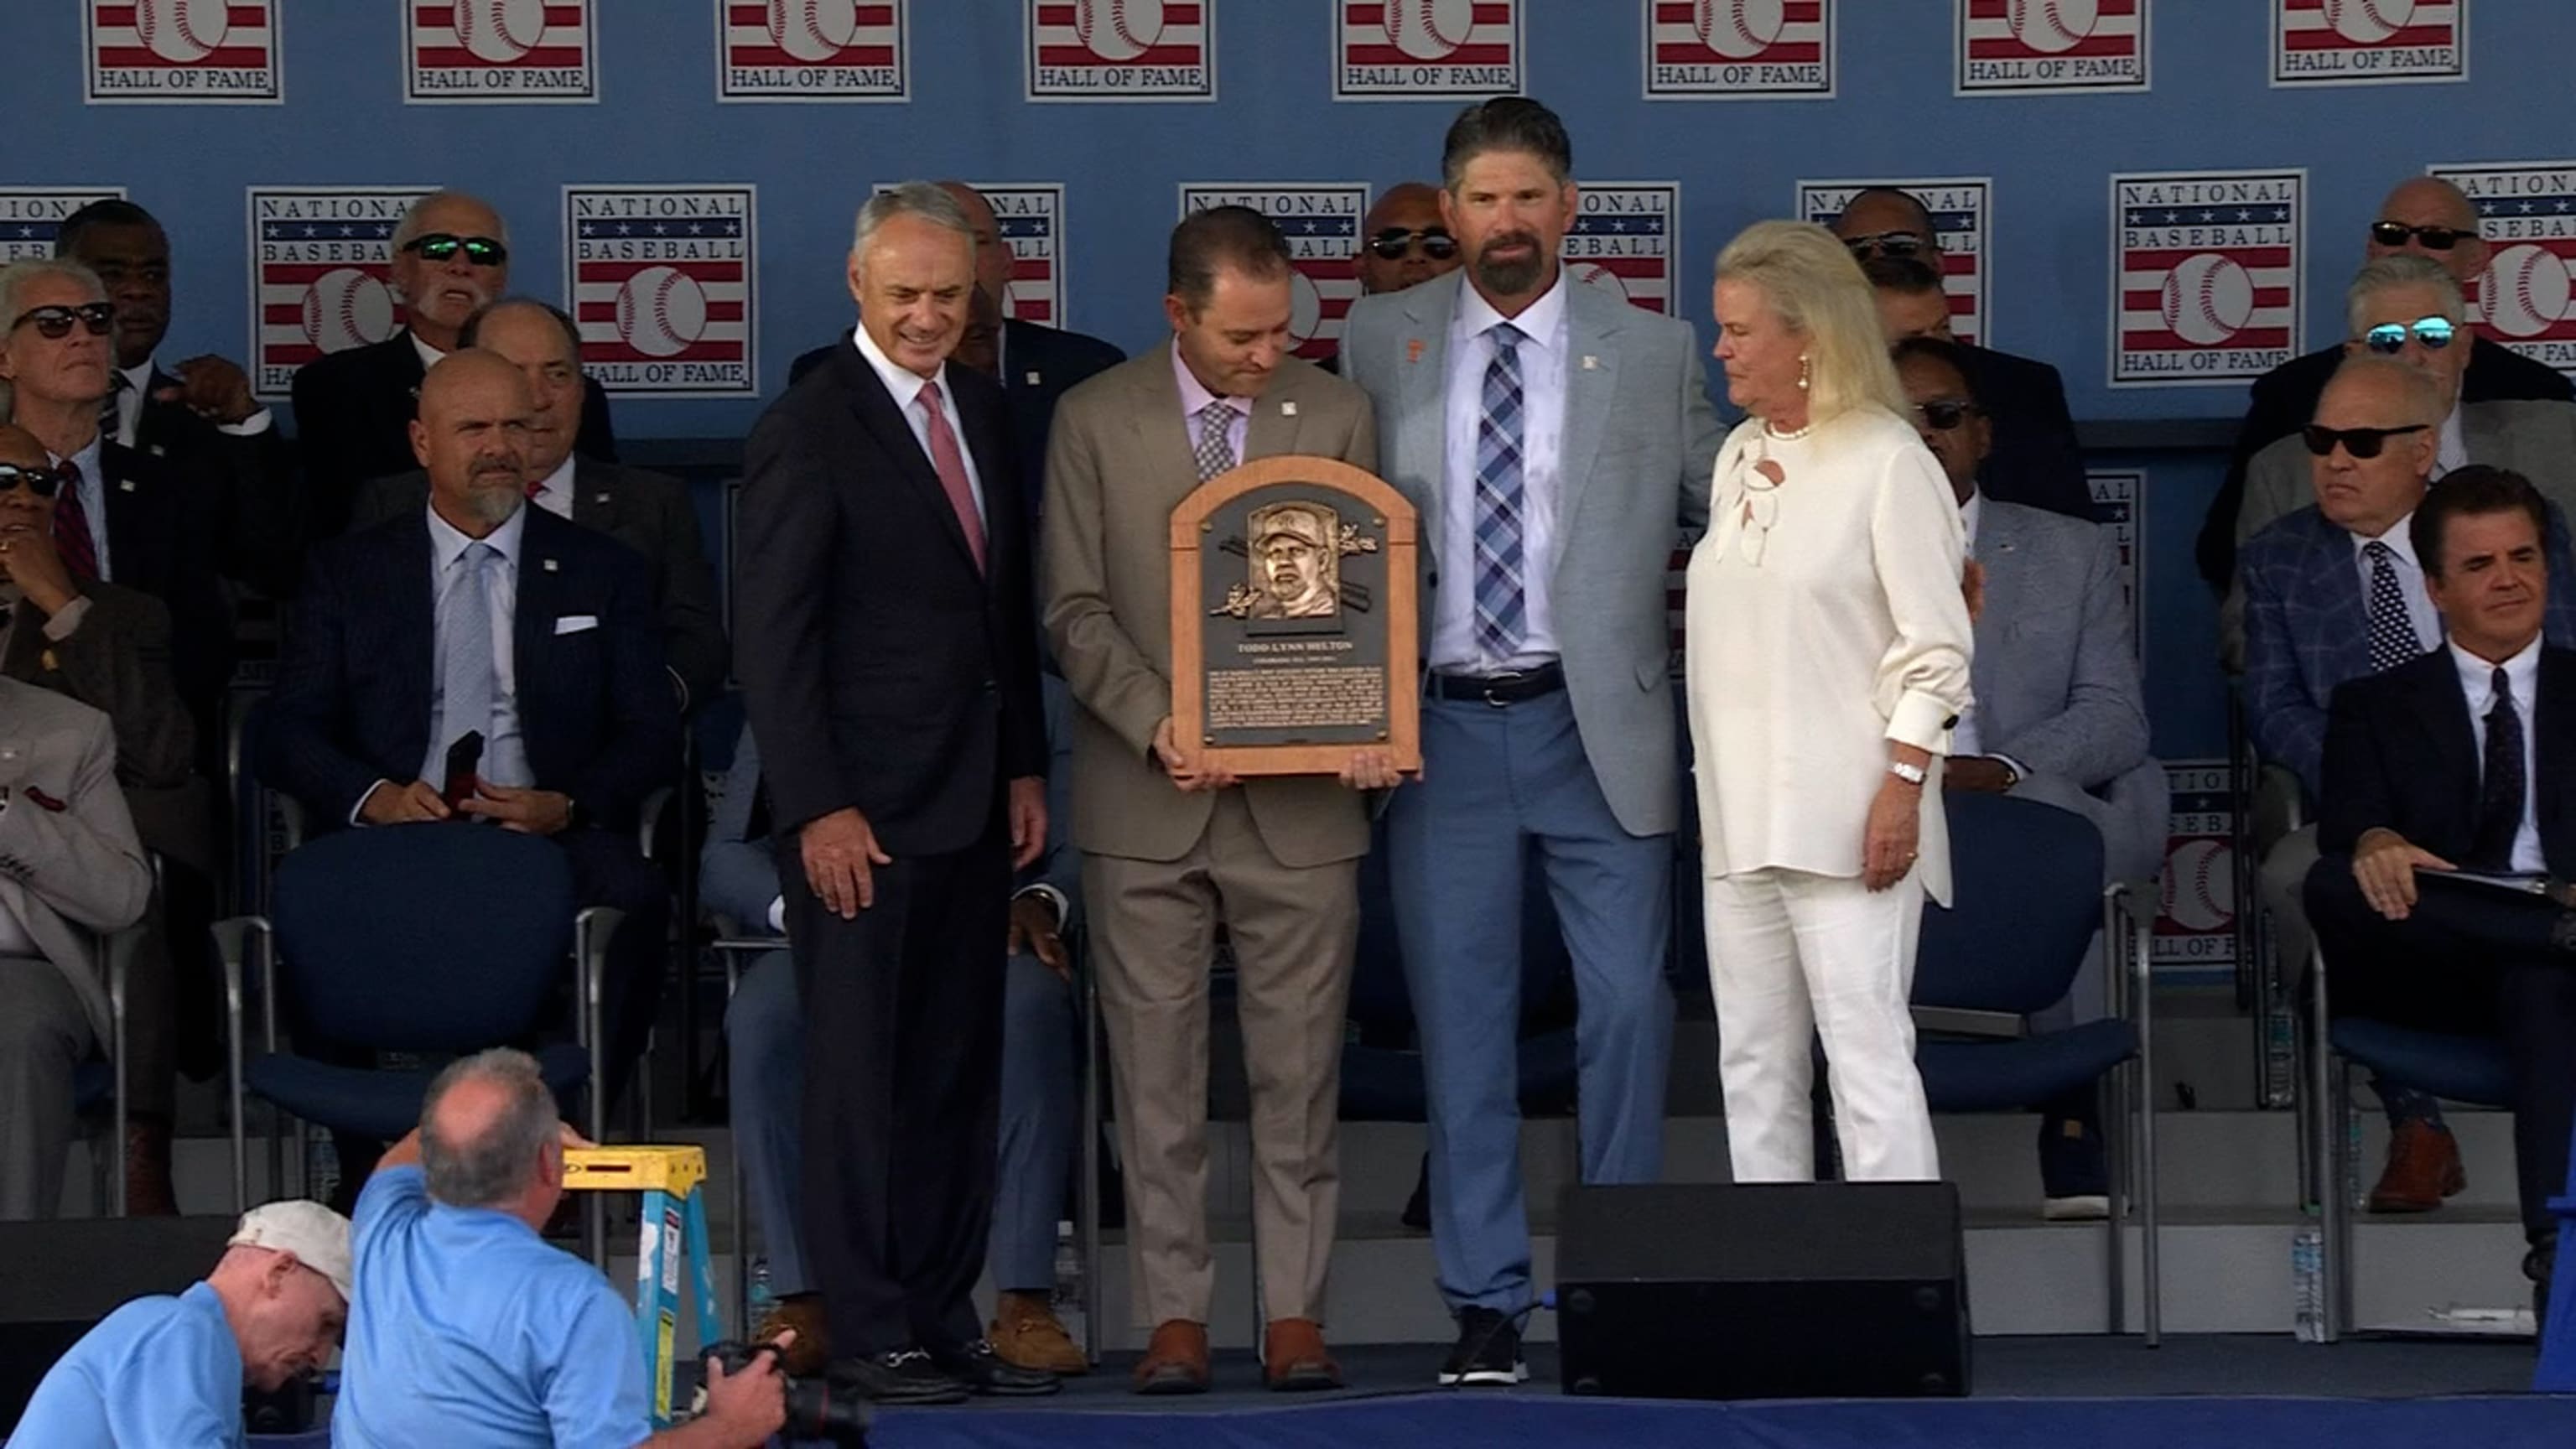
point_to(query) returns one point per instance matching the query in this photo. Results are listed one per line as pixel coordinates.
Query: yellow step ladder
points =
(674, 1223)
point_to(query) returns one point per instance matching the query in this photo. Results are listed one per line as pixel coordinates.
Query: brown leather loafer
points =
(1293, 1357)
(1176, 1359)
(2423, 1168)
(1027, 1333)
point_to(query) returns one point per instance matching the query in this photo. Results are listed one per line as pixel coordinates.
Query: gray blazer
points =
(69, 860)
(1640, 444)
(649, 513)
(2057, 683)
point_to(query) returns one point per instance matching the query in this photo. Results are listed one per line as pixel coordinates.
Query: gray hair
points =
(500, 1162)
(16, 277)
(2386, 274)
(909, 198)
(2419, 397)
(411, 225)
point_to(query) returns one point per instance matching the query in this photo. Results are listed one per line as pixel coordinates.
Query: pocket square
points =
(576, 623)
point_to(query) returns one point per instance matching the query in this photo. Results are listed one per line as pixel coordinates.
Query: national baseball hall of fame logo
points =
(2527, 213)
(2368, 42)
(2023, 46)
(2195, 932)
(812, 50)
(2119, 499)
(1622, 241)
(1322, 225)
(2205, 275)
(660, 279)
(1729, 49)
(1121, 50)
(320, 263)
(205, 52)
(1959, 207)
(1030, 215)
(500, 51)
(31, 215)
(1405, 50)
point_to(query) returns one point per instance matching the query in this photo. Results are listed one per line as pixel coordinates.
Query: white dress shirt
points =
(429, 356)
(905, 386)
(555, 495)
(2477, 681)
(2420, 612)
(1542, 349)
(505, 754)
(93, 499)
(138, 382)
(2450, 449)
(1195, 398)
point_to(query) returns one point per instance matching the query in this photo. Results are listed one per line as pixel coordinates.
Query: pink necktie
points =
(950, 460)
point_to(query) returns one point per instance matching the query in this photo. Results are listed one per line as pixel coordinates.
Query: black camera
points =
(813, 1410)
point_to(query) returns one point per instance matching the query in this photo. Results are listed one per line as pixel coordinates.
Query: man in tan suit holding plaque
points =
(1174, 846)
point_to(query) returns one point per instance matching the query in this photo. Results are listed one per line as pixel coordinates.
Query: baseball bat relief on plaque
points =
(1294, 621)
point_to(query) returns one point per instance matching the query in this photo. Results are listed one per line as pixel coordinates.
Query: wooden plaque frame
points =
(1190, 611)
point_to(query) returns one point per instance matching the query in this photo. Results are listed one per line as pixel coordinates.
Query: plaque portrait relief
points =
(1293, 617)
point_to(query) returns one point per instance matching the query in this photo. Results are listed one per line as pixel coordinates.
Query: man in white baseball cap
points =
(164, 1371)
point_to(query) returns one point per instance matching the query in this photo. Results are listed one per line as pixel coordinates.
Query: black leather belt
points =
(1500, 689)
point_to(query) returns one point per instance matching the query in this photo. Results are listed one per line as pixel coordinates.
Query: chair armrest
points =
(290, 820)
(232, 938)
(592, 930)
(1960, 1021)
(648, 818)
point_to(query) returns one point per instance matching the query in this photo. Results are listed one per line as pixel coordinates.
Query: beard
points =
(1511, 277)
(492, 495)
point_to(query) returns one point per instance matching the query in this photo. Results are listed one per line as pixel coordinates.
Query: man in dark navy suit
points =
(478, 614)
(451, 259)
(2464, 760)
(1037, 364)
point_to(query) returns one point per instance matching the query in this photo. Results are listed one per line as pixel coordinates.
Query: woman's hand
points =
(1888, 848)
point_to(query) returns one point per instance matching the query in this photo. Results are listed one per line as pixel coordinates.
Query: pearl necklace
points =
(1776, 435)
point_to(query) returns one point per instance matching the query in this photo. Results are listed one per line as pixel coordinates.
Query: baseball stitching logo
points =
(2368, 42)
(2206, 270)
(2006, 46)
(2195, 932)
(1426, 49)
(1622, 241)
(1120, 50)
(1723, 49)
(2526, 298)
(321, 259)
(843, 50)
(1322, 225)
(500, 51)
(660, 279)
(181, 50)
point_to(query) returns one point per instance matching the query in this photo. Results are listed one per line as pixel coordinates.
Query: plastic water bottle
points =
(321, 1167)
(1071, 1298)
(763, 1297)
(2308, 1281)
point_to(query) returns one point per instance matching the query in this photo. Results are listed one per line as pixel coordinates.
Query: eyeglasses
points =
(40, 481)
(55, 323)
(2359, 442)
(1941, 414)
(2390, 337)
(2434, 238)
(438, 246)
(1391, 244)
(1886, 243)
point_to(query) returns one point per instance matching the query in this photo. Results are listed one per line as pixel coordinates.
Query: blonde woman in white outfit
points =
(1828, 655)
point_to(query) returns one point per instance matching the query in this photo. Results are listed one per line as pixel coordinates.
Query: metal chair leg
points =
(2150, 1247)
(1088, 1192)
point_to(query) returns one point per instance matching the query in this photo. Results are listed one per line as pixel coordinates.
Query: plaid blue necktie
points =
(1500, 623)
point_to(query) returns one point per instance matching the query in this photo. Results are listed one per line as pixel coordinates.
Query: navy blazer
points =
(2400, 753)
(2306, 630)
(162, 524)
(352, 703)
(2035, 461)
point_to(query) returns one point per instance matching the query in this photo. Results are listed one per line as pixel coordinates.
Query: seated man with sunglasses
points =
(2410, 309)
(2035, 459)
(353, 409)
(2423, 217)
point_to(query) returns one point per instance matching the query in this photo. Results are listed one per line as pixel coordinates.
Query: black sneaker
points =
(983, 1371)
(1488, 1351)
(897, 1376)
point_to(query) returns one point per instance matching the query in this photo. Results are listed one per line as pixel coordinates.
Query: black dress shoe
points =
(983, 1371)
(897, 1376)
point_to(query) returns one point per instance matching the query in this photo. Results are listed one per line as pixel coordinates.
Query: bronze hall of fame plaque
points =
(1294, 619)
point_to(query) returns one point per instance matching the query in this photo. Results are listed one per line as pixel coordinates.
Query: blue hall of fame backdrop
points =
(2163, 197)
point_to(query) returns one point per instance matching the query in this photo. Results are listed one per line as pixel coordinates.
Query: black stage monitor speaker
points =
(1769, 1291)
(63, 1277)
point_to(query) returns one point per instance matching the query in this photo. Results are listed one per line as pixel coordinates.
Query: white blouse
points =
(1825, 619)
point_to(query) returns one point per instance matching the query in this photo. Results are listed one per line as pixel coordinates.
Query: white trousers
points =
(1792, 955)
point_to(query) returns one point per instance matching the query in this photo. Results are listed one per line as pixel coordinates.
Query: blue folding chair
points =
(2027, 897)
(436, 939)
(2557, 1371)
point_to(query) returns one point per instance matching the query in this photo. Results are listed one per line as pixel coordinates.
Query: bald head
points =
(1411, 207)
(1877, 213)
(489, 1136)
(472, 437)
(2386, 409)
(2429, 201)
(992, 251)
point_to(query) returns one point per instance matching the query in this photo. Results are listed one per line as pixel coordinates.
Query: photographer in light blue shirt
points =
(470, 1330)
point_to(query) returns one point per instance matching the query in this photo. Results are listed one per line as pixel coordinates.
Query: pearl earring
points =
(1802, 373)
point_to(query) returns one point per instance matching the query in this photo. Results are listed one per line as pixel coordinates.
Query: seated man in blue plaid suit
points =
(2333, 592)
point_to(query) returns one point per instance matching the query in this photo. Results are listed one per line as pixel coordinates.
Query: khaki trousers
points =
(1153, 935)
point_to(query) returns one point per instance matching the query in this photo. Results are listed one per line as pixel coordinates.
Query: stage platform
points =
(2046, 1393)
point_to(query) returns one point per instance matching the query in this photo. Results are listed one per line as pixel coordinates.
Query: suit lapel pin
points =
(599, 498)
(550, 566)
(1287, 409)
(1031, 379)
(159, 451)
(1591, 363)
(1413, 349)
(125, 485)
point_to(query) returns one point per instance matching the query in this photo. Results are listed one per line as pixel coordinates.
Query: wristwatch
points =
(1910, 774)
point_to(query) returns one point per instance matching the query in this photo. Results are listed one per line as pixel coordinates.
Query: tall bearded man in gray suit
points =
(1558, 443)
